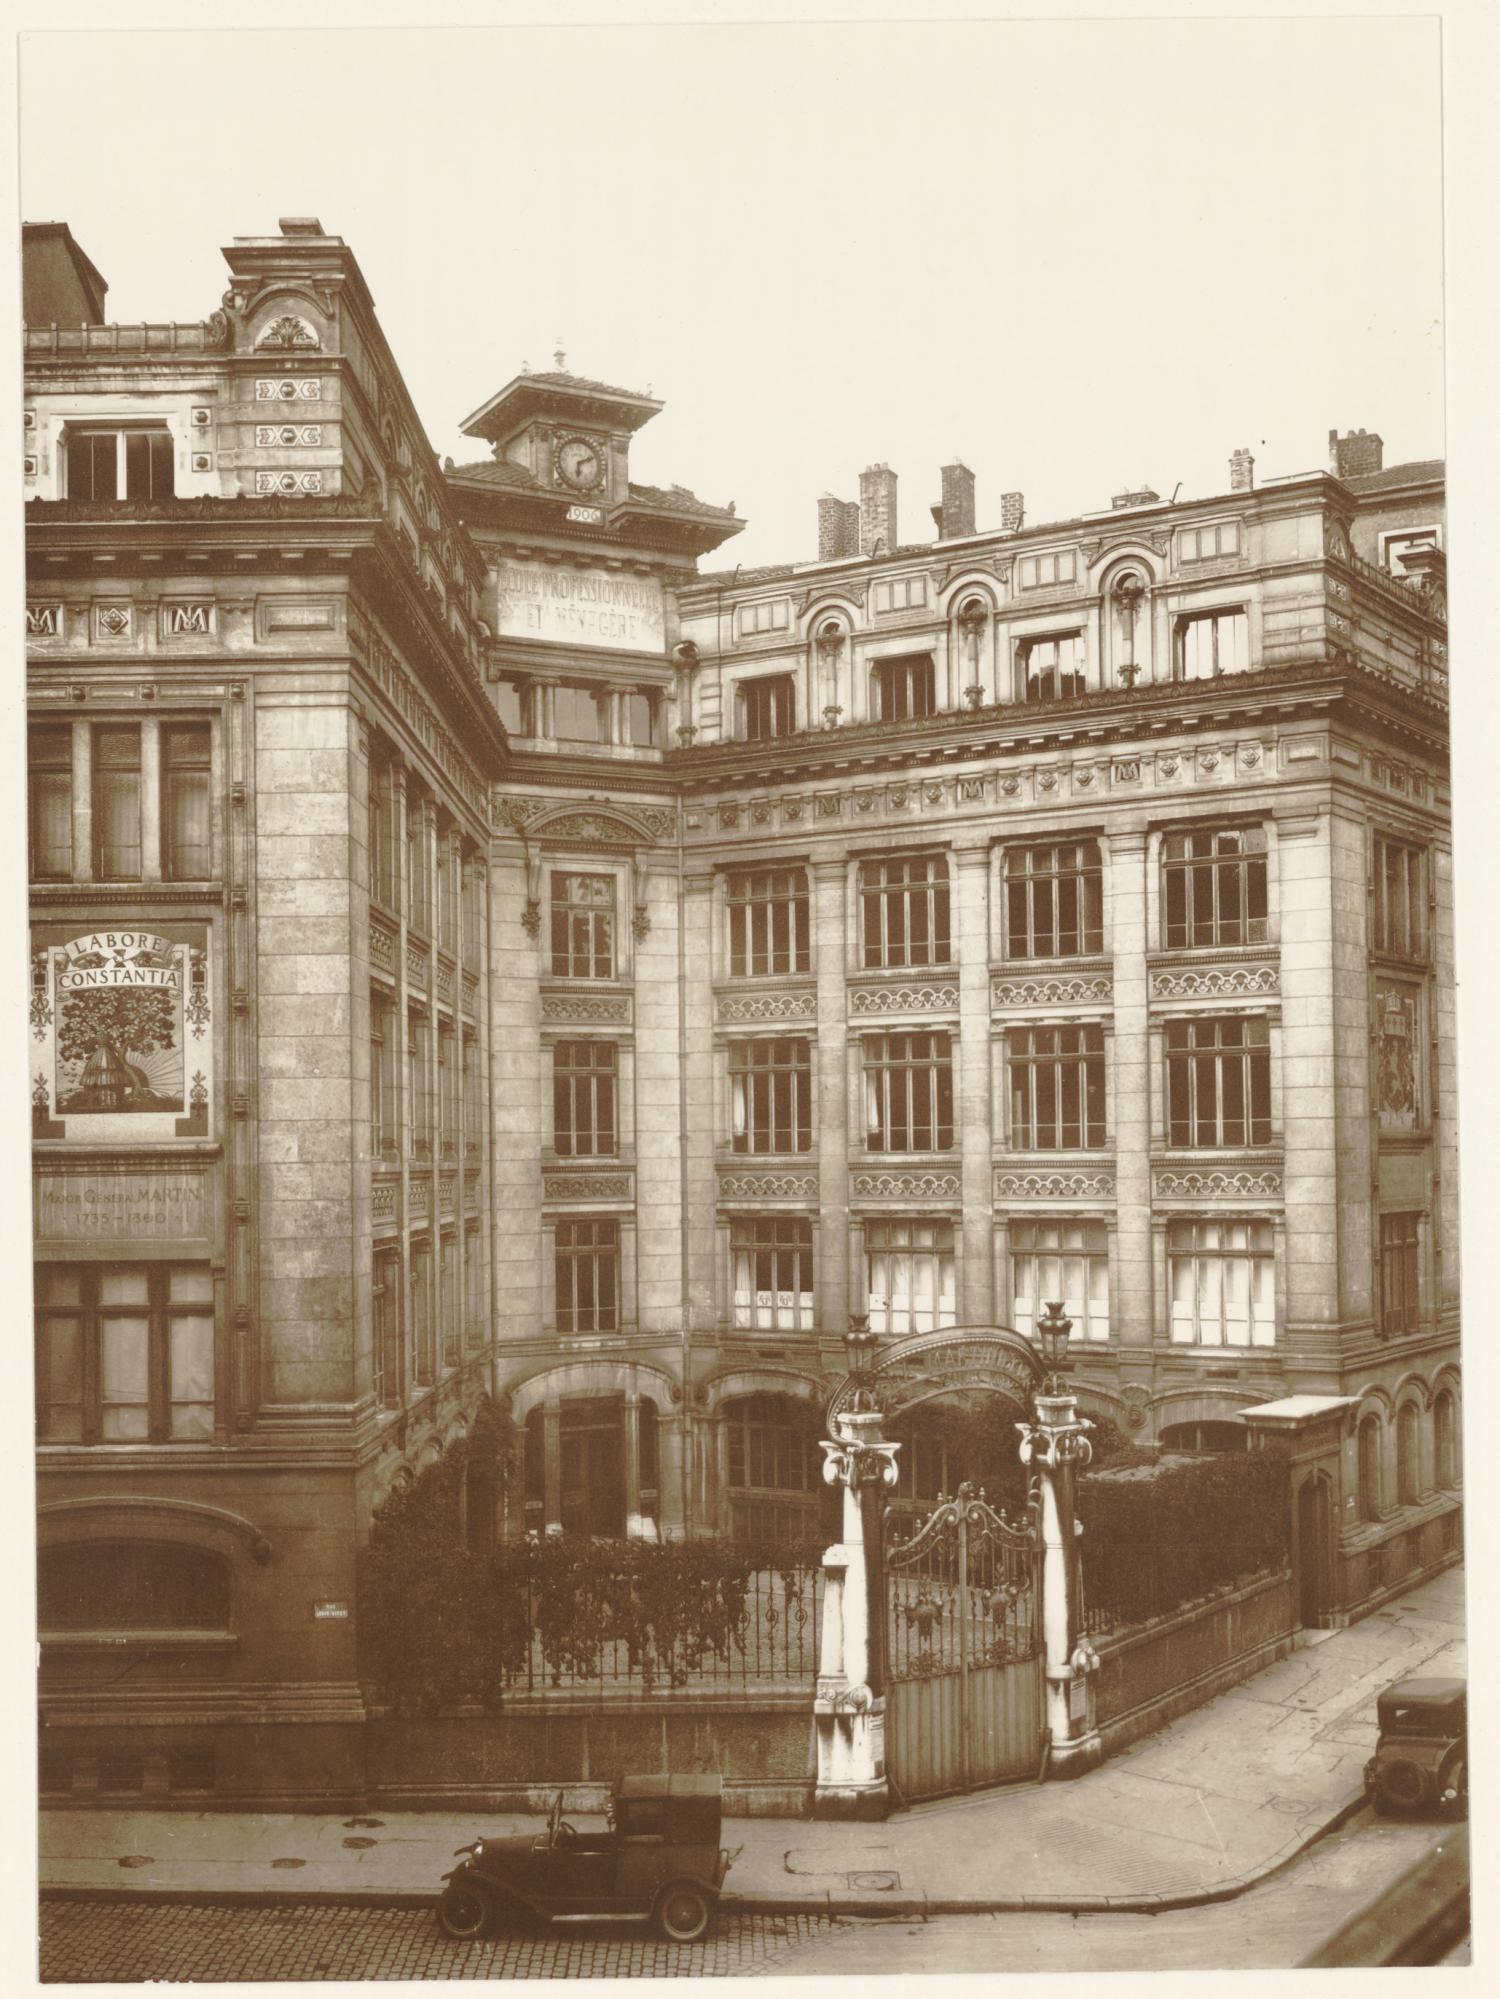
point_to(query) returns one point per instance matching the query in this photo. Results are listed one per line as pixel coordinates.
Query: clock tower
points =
(571, 436)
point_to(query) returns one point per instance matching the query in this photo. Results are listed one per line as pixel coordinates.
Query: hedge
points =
(1163, 1533)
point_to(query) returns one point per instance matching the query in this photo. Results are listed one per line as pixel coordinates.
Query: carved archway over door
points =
(922, 1366)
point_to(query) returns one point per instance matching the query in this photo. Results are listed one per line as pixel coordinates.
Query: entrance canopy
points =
(927, 1365)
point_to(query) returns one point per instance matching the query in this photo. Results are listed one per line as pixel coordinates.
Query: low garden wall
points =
(1151, 1673)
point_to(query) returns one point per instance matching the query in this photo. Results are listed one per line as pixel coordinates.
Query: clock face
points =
(580, 462)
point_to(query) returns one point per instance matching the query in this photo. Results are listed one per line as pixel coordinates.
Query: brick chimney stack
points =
(877, 510)
(1355, 455)
(1139, 496)
(955, 516)
(1241, 472)
(838, 528)
(1012, 512)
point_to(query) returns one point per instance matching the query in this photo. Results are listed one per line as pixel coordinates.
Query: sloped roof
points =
(499, 472)
(1417, 472)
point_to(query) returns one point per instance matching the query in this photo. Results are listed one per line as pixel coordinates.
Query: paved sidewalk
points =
(1193, 1813)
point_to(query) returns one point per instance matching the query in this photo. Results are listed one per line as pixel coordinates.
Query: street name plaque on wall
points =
(117, 1206)
(541, 600)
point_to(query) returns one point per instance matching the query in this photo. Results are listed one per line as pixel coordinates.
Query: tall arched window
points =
(1408, 1448)
(1445, 1440)
(132, 1586)
(775, 1468)
(1369, 1468)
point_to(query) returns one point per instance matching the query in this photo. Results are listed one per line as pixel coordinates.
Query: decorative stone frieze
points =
(884, 999)
(1216, 982)
(586, 1186)
(1083, 989)
(382, 947)
(285, 390)
(744, 1009)
(586, 1009)
(1054, 1186)
(909, 1185)
(1193, 1182)
(742, 1186)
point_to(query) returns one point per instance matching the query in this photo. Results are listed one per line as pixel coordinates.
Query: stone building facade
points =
(482, 965)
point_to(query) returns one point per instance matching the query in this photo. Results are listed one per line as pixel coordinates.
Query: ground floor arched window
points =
(1408, 1448)
(1369, 1468)
(1445, 1439)
(592, 1466)
(774, 1464)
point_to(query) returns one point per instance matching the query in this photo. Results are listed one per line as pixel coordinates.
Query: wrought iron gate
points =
(964, 1650)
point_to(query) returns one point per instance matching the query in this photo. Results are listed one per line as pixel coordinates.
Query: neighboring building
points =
(479, 963)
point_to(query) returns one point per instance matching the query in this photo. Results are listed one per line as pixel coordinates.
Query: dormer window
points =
(119, 464)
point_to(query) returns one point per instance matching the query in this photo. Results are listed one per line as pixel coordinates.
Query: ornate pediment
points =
(588, 826)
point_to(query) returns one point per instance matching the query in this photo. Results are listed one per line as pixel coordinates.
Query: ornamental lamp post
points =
(1056, 1442)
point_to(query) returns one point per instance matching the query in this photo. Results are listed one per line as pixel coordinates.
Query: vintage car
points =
(1421, 1758)
(659, 1857)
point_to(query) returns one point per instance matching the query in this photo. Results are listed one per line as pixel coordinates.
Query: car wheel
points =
(1401, 1785)
(464, 1910)
(683, 1912)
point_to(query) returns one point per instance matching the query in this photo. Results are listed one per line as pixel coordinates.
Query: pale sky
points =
(1082, 256)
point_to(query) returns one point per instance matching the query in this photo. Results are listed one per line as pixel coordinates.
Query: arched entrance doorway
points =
(1314, 1550)
(961, 1578)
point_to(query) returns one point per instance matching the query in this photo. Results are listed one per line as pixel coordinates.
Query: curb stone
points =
(1147, 1902)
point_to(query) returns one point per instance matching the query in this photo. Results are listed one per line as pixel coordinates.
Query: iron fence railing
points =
(772, 1647)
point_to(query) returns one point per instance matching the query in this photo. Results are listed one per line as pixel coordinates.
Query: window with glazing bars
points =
(588, 1256)
(1223, 1283)
(473, 1100)
(1066, 1260)
(1054, 901)
(1400, 906)
(584, 1085)
(1052, 667)
(419, 1312)
(185, 801)
(908, 1093)
(771, 1258)
(474, 1302)
(1217, 642)
(418, 869)
(452, 1301)
(1400, 1268)
(1218, 1082)
(382, 832)
(768, 706)
(50, 785)
(905, 689)
(583, 926)
(1214, 886)
(768, 922)
(383, 1095)
(910, 1275)
(418, 1084)
(119, 464)
(904, 909)
(770, 1090)
(385, 1325)
(117, 801)
(1056, 1087)
(125, 1352)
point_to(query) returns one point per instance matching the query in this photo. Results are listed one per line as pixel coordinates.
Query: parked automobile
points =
(1421, 1758)
(659, 1857)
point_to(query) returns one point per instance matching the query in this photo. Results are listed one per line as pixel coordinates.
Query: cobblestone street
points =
(97, 1941)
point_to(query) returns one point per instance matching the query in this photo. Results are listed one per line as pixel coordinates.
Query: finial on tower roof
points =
(560, 357)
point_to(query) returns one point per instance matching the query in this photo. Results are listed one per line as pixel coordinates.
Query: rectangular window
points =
(904, 906)
(904, 688)
(125, 1353)
(1052, 667)
(447, 893)
(185, 801)
(382, 833)
(1218, 1082)
(772, 1275)
(908, 1093)
(1209, 542)
(1054, 901)
(768, 922)
(383, 1106)
(385, 1326)
(447, 1093)
(452, 1302)
(117, 801)
(419, 1085)
(584, 1086)
(513, 700)
(1214, 885)
(1400, 1268)
(909, 1270)
(418, 867)
(50, 787)
(1223, 1283)
(1066, 1260)
(419, 1310)
(1056, 1088)
(588, 1256)
(901, 593)
(473, 911)
(473, 1100)
(577, 715)
(1045, 572)
(119, 465)
(474, 1305)
(768, 707)
(1400, 901)
(770, 1088)
(770, 616)
(640, 720)
(1218, 642)
(583, 926)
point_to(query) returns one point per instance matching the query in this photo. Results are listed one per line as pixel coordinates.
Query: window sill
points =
(186, 1640)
